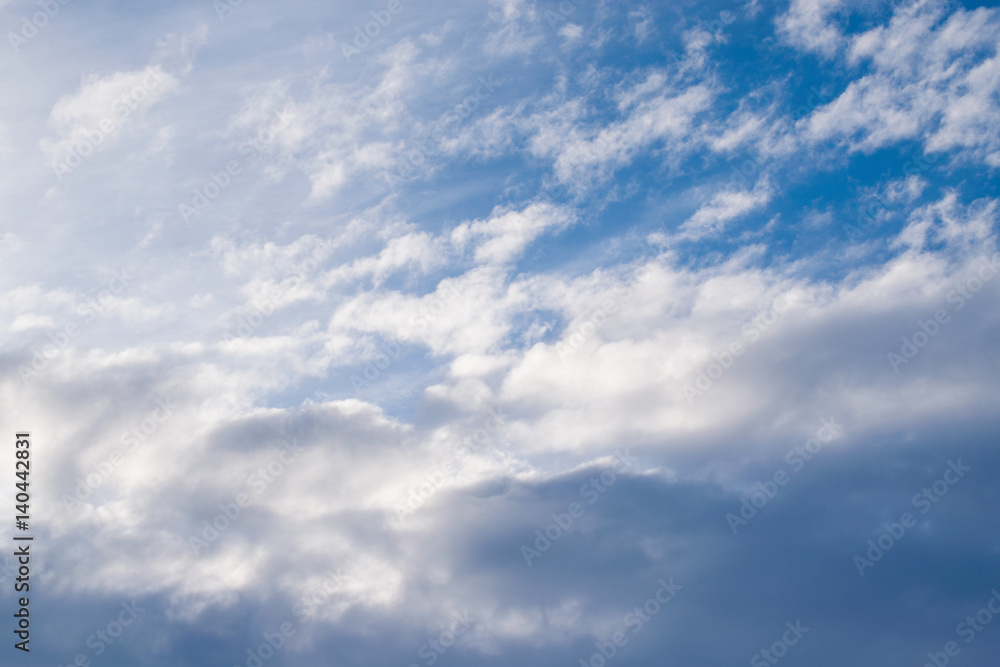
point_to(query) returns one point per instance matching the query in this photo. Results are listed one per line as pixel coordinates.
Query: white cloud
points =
(584, 353)
(98, 113)
(642, 23)
(519, 28)
(711, 218)
(585, 153)
(94, 114)
(504, 235)
(27, 321)
(806, 26)
(929, 81)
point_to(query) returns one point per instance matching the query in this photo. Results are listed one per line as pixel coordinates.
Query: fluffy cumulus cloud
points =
(516, 332)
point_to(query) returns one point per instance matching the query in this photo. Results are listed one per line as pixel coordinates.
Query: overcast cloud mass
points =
(507, 332)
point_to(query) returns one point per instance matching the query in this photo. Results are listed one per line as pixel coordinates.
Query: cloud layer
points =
(517, 332)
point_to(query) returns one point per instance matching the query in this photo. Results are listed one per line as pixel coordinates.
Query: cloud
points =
(926, 83)
(505, 234)
(712, 217)
(102, 104)
(458, 278)
(586, 153)
(806, 26)
(518, 31)
(94, 116)
(356, 463)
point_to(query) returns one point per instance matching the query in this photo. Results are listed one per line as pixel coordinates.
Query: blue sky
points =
(474, 335)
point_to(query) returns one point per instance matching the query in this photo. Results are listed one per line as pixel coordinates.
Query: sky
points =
(577, 332)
